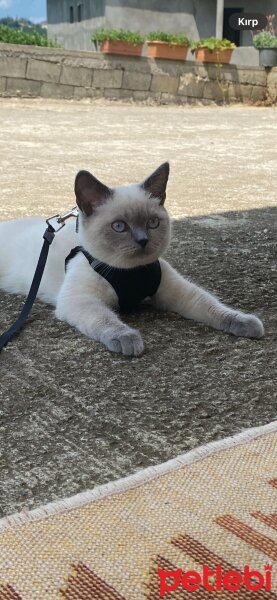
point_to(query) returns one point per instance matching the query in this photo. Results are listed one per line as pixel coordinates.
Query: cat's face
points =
(125, 226)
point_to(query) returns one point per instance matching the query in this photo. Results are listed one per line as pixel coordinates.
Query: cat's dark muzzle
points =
(140, 237)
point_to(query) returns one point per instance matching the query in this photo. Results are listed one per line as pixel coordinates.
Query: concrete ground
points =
(73, 415)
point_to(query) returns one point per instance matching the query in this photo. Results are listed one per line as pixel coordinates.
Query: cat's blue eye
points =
(119, 226)
(153, 223)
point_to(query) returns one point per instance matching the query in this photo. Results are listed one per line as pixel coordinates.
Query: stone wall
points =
(30, 71)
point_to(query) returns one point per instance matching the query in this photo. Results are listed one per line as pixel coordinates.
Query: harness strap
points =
(48, 237)
(75, 251)
(131, 285)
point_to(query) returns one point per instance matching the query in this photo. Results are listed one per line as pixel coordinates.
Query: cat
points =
(123, 231)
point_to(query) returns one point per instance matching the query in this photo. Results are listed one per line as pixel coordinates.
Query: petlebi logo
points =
(215, 580)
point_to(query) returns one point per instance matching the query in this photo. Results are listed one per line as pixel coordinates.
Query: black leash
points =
(48, 237)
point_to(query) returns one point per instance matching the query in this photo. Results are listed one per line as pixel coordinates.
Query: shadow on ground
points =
(74, 416)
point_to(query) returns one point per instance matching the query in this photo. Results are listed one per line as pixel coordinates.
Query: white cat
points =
(123, 232)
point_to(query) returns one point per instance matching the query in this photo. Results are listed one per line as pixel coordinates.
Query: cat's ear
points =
(156, 183)
(90, 192)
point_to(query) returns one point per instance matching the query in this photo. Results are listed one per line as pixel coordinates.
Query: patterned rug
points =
(204, 523)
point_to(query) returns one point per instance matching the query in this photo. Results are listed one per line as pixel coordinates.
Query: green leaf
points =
(170, 38)
(103, 35)
(213, 43)
(9, 35)
(265, 39)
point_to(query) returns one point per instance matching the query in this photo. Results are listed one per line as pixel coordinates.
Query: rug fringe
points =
(132, 481)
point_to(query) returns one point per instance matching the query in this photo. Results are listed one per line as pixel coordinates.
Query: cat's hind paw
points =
(126, 341)
(247, 325)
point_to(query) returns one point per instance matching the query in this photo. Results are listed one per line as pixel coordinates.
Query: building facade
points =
(71, 22)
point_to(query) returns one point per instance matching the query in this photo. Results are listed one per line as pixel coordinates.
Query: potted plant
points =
(118, 41)
(266, 42)
(167, 45)
(213, 50)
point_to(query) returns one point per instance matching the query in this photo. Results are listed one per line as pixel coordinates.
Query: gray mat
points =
(74, 416)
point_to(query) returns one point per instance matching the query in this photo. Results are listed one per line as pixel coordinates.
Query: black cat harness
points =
(131, 285)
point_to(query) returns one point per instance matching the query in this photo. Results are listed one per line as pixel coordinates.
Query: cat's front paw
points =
(124, 341)
(243, 325)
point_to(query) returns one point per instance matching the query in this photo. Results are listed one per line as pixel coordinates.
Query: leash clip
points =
(59, 221)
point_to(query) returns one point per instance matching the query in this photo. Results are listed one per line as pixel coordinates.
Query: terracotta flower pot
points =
(121, 47)
(158, 49)
(214, 56)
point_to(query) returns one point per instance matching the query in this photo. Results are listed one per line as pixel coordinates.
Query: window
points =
(80, 12)
(71, 14)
